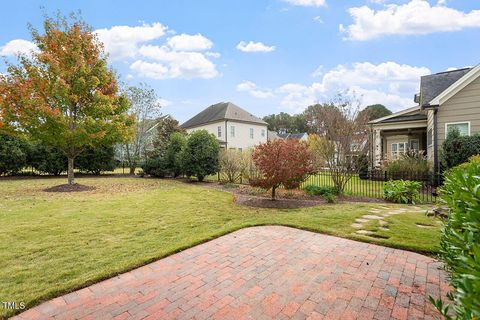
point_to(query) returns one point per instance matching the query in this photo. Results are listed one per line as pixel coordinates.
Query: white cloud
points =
(307, 3)
(164, 102)
(253, 90)
(17, 46)
(173, 64)
(414, 17)
(388, 83)
(187, 42)
(318, 72)
(129, 76)
(212, 54)
(123, 41)
(254, 47)
(318, 19)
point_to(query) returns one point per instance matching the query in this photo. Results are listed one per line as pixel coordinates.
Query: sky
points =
(267, 56)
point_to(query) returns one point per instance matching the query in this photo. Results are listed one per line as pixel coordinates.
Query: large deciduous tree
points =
(286, 123)
(342, 132)
(375, 111)
(165, 128)
(64, 94)
(145, 107)
(281, 162)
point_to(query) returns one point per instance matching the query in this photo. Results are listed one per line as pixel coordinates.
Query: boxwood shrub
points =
(460, 241)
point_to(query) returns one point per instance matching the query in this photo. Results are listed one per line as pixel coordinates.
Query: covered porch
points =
(398, 134)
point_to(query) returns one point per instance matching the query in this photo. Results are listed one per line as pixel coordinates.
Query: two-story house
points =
(446, 100)
(234, 127)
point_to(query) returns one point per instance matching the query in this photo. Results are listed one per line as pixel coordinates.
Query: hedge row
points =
(16, 154)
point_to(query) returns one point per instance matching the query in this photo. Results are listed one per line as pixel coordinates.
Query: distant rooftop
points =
(222, 111)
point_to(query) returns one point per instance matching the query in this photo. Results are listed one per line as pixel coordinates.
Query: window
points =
(232, 131)
(398, 149)
(251, 133)
(263, 133)
(415, 145)
(462, 127)
(219, 131)
(429, 137)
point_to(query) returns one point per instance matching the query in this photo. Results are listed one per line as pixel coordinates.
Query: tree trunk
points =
(200, 178)
(273, 193)
(71, 178)
(132, 170)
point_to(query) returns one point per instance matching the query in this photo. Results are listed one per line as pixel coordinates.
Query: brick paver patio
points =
(264, 273)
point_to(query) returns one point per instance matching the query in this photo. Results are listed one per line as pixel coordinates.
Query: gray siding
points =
(464, 106)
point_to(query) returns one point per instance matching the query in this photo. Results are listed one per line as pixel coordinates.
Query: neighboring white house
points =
(234, 127)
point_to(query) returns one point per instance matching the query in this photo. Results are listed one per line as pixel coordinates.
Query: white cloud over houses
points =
(123, 41)
(164, 102)
(149, 55)
(417, 17)
(253, 90)
(254, 47)
(17, 46)
(388, 83)
(307, 3)
(169, 64)
(187, 42)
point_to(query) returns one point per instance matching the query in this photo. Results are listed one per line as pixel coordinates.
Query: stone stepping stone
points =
(383, 229)
(372, 217)
(423, 226)
(360, 220)
(364, 232)
(357, 225)
(383, 223)
(375, 211)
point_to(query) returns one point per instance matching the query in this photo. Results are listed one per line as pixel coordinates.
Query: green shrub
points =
(200, 157)
(13, 154)
(460, 241)
(330, 197)
(176, 145)
(401, 191)
(47, 159)
(314, 190)
(96, 160)
(411, 164)
(155, 167)
(458, 149)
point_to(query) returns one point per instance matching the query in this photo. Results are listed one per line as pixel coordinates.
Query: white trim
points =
(459, 122)
(458, 85)
(399, 113)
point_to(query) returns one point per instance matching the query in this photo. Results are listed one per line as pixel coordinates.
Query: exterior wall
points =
(211, 128)
(401, 138)
(462, 107)
(242, 139)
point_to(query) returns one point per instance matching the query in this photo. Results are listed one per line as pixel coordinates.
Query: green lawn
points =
(53, 243)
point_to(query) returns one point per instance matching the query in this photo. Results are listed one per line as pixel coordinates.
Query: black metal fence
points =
(371, 184)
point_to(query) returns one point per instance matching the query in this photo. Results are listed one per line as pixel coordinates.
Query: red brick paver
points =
(261, 273)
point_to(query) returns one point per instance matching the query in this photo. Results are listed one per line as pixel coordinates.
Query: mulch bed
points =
(69, 188)
(261, 202)
(286, 199)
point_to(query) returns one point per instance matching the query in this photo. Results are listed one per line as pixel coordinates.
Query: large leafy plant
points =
(460, 242)
(401, 191)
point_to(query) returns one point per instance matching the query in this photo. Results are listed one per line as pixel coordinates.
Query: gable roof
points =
(222, 111)
(433, 85)
(397, 115)
(403, 118)
(458, 85)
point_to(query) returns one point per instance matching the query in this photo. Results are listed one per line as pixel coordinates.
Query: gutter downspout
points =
(436, 168)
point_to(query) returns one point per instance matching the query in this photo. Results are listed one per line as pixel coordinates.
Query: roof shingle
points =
(434, 84)
(222, 111)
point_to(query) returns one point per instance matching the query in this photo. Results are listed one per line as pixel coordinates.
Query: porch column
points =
(377, 147)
